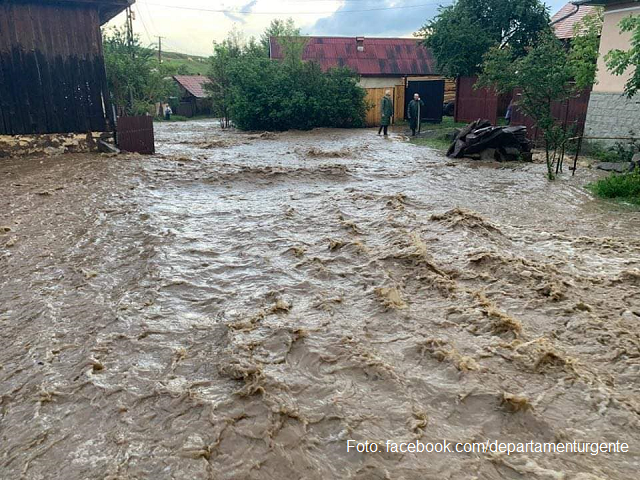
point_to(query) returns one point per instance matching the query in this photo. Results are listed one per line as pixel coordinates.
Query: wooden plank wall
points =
(374, 97)
(52, 75)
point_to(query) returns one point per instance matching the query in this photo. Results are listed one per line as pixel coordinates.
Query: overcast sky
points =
(190, 26)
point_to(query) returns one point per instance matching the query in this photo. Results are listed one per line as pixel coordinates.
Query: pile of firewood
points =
(480, 140)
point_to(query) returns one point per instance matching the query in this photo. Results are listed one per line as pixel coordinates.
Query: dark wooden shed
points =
(52, 74)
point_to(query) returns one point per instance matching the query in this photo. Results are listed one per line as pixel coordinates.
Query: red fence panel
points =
(571, 114)
(135, 134)
(472, 104)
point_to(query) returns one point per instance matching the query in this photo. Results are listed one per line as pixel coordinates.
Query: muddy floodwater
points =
(242, 306)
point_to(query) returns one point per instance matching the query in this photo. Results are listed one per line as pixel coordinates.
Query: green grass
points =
(192, 65)
(174, 118)
(437, 134)
(624, 187)
(180, 118)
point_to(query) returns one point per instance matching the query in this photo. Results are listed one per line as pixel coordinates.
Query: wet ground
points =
(239, 306)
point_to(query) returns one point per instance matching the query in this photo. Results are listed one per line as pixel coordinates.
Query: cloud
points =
(396, 21)
(244, 8)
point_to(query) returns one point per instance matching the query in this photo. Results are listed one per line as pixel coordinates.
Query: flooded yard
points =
(240, 306)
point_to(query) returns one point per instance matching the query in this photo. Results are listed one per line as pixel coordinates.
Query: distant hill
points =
(193, 65)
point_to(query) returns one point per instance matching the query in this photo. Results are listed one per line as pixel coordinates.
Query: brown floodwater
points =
(240, 306)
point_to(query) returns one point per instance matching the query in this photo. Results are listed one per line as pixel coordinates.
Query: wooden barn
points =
(52, 74)
(194, 99)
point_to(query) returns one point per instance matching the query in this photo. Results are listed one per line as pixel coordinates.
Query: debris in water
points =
(442, 351)
(317, 152)
(390, 297)
(335, 244)
(96, 365)
(281, 306)
(500, 321)
(515, 403)
(463, 217)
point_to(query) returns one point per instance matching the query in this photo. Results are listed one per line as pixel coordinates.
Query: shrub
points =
(624, 187)
(283, 95)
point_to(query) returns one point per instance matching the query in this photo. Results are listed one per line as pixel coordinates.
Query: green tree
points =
(620, 61)
(219, 87)
(463, 32)
(583, 56)
(278, 28)
(544, 76)
(135, 78)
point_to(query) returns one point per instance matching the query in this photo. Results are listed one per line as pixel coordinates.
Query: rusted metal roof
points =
(194, 84)
(379, 57)
(566, 19)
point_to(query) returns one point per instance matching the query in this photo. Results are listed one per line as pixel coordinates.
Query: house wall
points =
(380, 82)
(52, 74)
(612, 39)
(611, 114)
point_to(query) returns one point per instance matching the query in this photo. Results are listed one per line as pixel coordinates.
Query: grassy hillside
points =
(193, 65)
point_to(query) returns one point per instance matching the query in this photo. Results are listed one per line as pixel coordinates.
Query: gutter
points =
(570, 14)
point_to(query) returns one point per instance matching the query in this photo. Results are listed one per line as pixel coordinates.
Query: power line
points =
(245, 12)
(143, 24)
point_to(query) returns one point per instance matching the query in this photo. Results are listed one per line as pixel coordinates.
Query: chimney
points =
(360, 43)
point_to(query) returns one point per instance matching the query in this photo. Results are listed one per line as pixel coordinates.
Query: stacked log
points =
(480, 140)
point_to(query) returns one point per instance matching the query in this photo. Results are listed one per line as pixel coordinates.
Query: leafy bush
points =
(291, 94)
(623, 187)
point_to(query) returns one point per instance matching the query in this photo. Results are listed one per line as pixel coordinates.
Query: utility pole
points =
(160, 49)
(129, 26)
(130, 42)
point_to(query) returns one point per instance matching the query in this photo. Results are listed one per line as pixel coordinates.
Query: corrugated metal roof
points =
(565, 27)
(194, 84)
(381, 56)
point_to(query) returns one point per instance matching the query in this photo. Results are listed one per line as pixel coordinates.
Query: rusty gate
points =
(571, 114)
(472, 104)
(135, 134)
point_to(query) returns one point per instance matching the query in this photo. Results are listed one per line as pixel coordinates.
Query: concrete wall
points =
(612, 115)
(612, 39)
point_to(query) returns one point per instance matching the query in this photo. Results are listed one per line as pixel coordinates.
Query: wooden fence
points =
(374, 97)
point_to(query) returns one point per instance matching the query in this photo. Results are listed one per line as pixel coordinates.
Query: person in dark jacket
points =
(386, 110)
(414, 113)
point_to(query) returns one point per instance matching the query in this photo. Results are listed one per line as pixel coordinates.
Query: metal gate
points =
(571, 115)
(472, 103)
(135, 134)
(431, 93)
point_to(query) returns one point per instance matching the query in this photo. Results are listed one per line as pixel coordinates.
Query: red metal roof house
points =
(382, 63)
(370, 57)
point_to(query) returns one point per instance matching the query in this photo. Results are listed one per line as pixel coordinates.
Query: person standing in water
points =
(415, 112)
(167, 112)
(386, 110)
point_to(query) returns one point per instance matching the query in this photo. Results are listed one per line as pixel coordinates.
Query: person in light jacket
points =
(386, 110)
